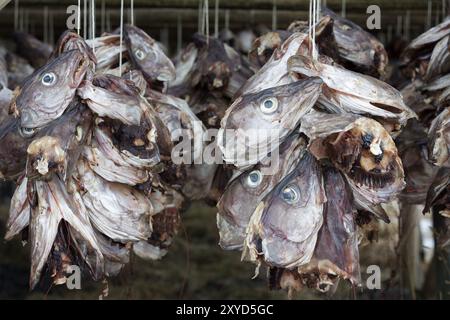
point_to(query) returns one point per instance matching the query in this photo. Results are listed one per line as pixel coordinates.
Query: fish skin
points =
(33, 104)
(284, 235)
(118, 211)
(360, 94)
(438, 190)
(113, 97)
(339, 138)
(294, 101)
(70, 40)
(34, 50)
(275, 72)
(155, 65)
(440, 60)
(239, 200)
(439, 139)
(19, 211)
(264, 46)
(53, 206)
(351, 46)
(336, 253)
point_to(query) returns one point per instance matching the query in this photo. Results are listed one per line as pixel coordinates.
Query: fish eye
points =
(290, 194)
(139, 54)
(48, 79)
(367, 140)
(254, 179)
(269, 105)
(27, 132)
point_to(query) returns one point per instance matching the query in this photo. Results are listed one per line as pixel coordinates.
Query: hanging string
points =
(16, 15)
(314, 15)
(84, 19)
(51, 29)
(78, 17)
(179, 33)
(430, 7)
(121, 37)
(274, 15)
(438, 15)
(310, 23)
(103, 17)
(216, 20)
(343, 8)
(318, 11)
(227, 19)
(132, 12)
(93, 28)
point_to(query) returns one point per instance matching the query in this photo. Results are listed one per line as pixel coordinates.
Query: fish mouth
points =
(166, 75)
(374, 178)
(81, 65)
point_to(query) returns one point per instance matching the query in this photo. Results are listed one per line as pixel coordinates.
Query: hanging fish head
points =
(70, 40)
(368, 156)
(265, 118)
(47, 93)
(148, 56)
(283, 229)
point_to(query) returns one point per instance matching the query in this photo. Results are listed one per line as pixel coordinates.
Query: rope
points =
(78, 17)
(132, 13)
(121, 37)
(108, 20)
(200, 18)
(93, 27)
(216, 20)
(84, 19)
(45, 24)
(407, 25)
(444, 9)
(206, 14)
(430, 7)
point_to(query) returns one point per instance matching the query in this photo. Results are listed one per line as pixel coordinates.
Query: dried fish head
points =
(283, 229)
(265, 119)
(47, 93)
(147, 56)
(351, 46)
(336, 253)
(70, 40)
(113, 97)
(58, 146)
(358, 94)
(245, 192)
(264, 46)
(439, 139)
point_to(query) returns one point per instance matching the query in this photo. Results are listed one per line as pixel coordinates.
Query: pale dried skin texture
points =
(264, 46)
(336, 253)
(37, 104)
(19, 211)
(147, 55)
(353, 92)
(112, 97)
(351, 46)
(439, 139)
(184, 64)
(118, 211)
(440, 59)
(245, 117)
(53, 205)
(240, 199)
(112, 164)
(275, 72)
(282, 234)
(72, 41)
(107, 51)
